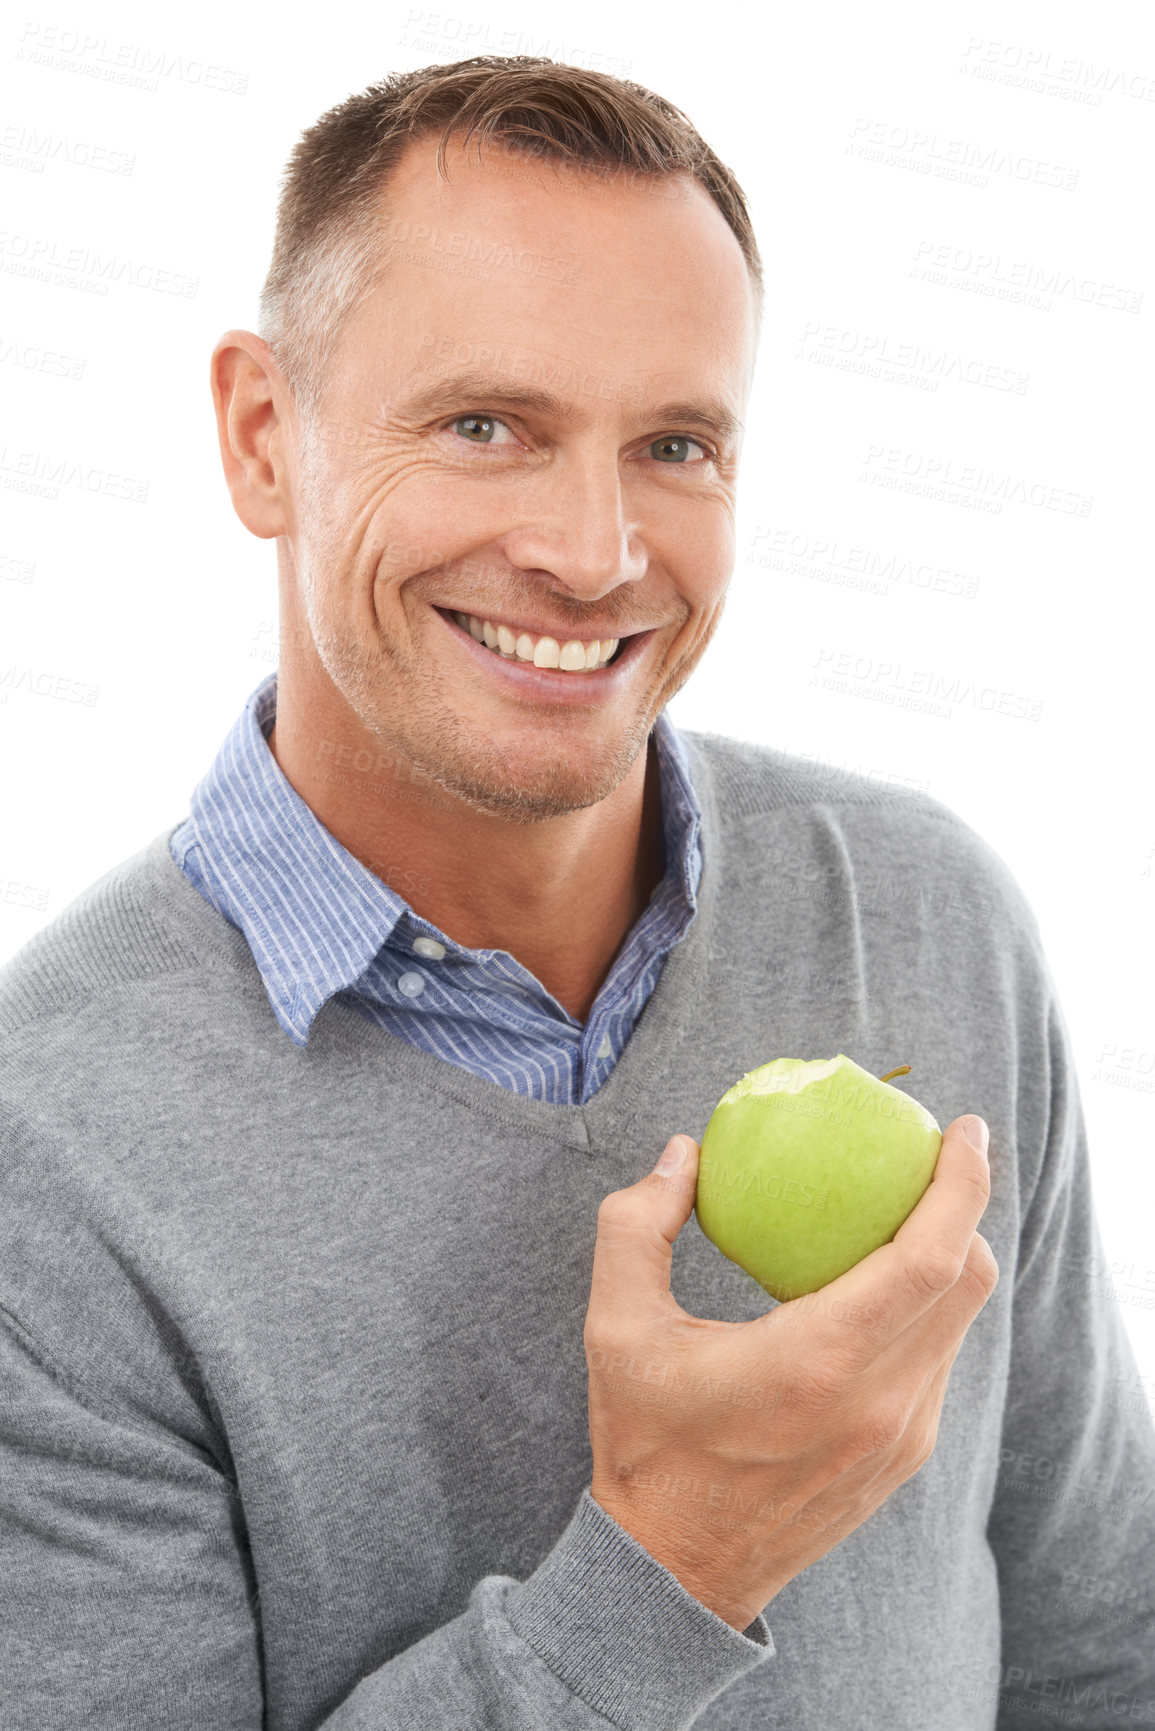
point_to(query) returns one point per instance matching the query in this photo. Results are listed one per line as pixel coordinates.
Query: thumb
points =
(679, 1153)
(637, 1227)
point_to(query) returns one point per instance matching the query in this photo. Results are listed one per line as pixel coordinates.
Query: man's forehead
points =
(488, 192)
(552, 301)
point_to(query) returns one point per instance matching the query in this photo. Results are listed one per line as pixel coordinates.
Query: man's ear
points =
(251, 401)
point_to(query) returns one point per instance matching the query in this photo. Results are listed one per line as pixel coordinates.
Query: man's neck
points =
(560, 896)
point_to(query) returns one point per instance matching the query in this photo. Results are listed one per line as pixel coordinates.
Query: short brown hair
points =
(327, 253)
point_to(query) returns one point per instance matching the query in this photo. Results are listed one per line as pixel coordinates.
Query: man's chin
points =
(529, 785)
(528, 799)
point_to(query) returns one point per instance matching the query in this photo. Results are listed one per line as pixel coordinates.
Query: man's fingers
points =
(883, 1295)
(920, 1435)
(938, 1333)
(637, 1227)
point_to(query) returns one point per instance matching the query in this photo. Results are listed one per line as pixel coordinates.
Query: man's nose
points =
(578, 525)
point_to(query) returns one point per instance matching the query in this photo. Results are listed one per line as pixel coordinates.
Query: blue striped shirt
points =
(322, 925)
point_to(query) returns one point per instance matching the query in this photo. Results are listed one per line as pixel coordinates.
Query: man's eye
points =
(481, 429)
(677, 450)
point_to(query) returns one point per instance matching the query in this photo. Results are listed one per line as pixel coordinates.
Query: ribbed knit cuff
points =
(623, 1633)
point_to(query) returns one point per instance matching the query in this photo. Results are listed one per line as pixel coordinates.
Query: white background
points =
(957, 195)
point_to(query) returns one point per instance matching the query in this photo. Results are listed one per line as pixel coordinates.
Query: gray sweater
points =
(293, 1425)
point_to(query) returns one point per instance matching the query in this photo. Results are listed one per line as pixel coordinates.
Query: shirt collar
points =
(313, 915)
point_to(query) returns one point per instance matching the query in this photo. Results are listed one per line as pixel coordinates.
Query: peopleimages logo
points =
(1107, 1591)
(1039, 69)
(14, 894)
(942, 478)
(825, 559)
(924, 689)
(959, 159)
(31, 358)
(1022, 282)
(43, 476)
(49, 260)
(14, 570)
(875, 355)
(27, 148)
(1023, 1683)
(39, 683)
(432, 29)
(471, 254)
(132, 64)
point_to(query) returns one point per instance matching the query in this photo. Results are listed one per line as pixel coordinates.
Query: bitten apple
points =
(809, 1165)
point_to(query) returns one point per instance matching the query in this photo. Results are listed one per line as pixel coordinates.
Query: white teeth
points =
(572, 656)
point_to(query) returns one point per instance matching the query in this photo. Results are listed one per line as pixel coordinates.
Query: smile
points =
(537, 665)
(574, 655)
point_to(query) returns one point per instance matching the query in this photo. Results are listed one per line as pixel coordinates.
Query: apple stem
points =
(903, 1070)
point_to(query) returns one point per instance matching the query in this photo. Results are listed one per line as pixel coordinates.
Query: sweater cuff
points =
(622, 1633)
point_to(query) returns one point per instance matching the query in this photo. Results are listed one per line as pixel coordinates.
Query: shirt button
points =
(412, 985)
(605, 1050)
(430, 948)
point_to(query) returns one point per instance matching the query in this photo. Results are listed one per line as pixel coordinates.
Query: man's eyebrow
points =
(707, 414)
(484, 390)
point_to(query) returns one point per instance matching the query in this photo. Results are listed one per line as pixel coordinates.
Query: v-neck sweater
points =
(292, 1382)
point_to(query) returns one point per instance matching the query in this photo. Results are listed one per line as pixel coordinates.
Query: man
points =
(351, 1377)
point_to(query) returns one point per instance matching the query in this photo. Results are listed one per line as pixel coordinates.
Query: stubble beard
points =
(441, 746)
(404, 701)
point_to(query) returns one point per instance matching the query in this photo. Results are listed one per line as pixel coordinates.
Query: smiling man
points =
(362, 1365)
(494, 575)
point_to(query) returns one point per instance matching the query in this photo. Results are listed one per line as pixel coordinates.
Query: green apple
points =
(808, 1166)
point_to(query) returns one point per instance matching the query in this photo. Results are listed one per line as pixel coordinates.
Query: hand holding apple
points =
(832, 1399)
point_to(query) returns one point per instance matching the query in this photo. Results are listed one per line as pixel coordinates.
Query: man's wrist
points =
(692, 1558)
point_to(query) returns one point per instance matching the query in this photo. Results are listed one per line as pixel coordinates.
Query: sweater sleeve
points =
(128, 1599)
(1072, 1526)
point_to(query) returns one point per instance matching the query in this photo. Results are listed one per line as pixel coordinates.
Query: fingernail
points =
(977, 1133)
(672, 1156)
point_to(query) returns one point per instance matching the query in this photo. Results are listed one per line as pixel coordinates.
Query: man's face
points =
(533, 420)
